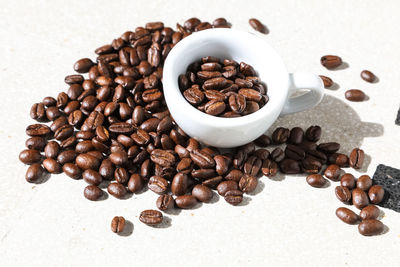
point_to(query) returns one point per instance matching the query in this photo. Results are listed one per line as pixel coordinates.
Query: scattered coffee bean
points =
(258, 26)
(52, 166)
(202, 193)
(234, 197)
(313, 133)
(316, 180)
(368, 76)
(331, 62)
(72, 170)
(151, 217)
(225, 186)
(376, 194)
(370, 227)
(348, 180)
(116, 190)
(158, 185)
(343, 194)
(92, 192)
(280, 135)
(356, 158)
(332, 172)
(185, 201)
(30, 156)
(370, 212)
(248, 183)
(360, 198)
(118, 224)
(346, 215)
(364, 182)
(326, 80)
(34, 173)
(355, 95)
(165, 202)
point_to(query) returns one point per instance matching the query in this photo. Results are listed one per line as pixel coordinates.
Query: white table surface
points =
(286, 222)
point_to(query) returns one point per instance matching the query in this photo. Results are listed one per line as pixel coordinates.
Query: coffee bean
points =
(52, 166)
(64, 132)
(263, 141)
(35, 142)
(316, 180)
(257, 25)
(370, 227)
(360, 198)
(87, 161)
(67, 156)
(248, 183)
(37, 130)
(280, 135)
(311, 165)
(202, 193)
(332, 172)
(162, 157)
(34, 173)
(38, 111)
(343, 194)
(92, 192)
(49, 101)
(368, 76)
(185, 166)
(269, 168)
(356, 158)
(52, 149)
(317, 155)
(376, 194)
(234, 197)
(331, 62)
(326, 80)
(135, 183)
(220, 23)
(355, 95)
(226, 186)
(222, 164)
(179, 184)
(370, 212)
(121, 128)
(296, 136)
(294, 152)
(72, 170)
(346, 215)
(92, 177)
(165, 202)
(151, 217)
(185, 201)
(202, 159)
(339, 159)
(289, 166)
(158, 185)
(313, 133)
(118, 224)
(75, 78)
(364, 182)
(116, 190)
(348, 180)
(29, 156)
(119, 158)
(212, 182)
(262, 154)
(234, 175)
(83, 65)
(214, 107)
(277, 154)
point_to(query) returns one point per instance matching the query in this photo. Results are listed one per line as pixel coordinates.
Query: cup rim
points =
(169, 80)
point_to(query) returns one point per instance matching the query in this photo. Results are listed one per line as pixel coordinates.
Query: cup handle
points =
(308, 100)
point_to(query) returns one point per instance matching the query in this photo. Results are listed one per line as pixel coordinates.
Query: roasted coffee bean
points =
(262, 154)
(326, 80)
(370, 212)
(75, 78)
(179, 184)
(226, 186)
(220, 23)
(135, 183)
(92, 177)
(343, 194)
(182, 152)
(376, 194)
(277, 154)
(316, 180)
(72, 170)
(348, 180)
(141, 137)
(234, 197)
(116, 190)
(158, 185)
(38, 111)
(309, 146)
(339, 159)
(246, 69)
(52, 113)
(360, 198)
(328, 148)
(92, 192)
(119, 158)
(70, 142)
(151, 217)
(67, 156)
(294, 152)
(269, 168)
(202, 159)
(191, 24)
(332, 172)
(370, 227)
(64, 132)
(150, 125)
(185, 201)
(37, 130)
(52, 166)
(263, 141)
(60, 121)
(84, 146)
(34, 173)
(121, 128)
(222, 164)
(87, 161)
(289, 166)
(250, 94)
(213, 182)
(355, 95)
(331, 62)
(162, 157)
(257, 25)
(313, 133)
(280, 135)
(368, 76)
(311, 165)
(214, 107)
(205, 75)
(364, 182)
(203, 174)
(49, 101)
(185, 166)
(75, 118)
(202, 193)
(248, 183)
(356, 158)
(252, 166)
(317, 155)
(30, 156)
(118, 224)
(165, 202)
(347, 216)
(234, 175)
(296, 136)
(36, 142)
(83, 65)
(121, 175)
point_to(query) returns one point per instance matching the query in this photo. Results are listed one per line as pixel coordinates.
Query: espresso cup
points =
(284, 89)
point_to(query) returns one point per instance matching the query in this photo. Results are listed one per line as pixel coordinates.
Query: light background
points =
(286, 223)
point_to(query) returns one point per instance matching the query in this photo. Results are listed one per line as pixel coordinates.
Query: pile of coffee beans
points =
(223, 87)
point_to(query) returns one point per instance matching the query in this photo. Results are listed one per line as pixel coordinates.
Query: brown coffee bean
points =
(121, 128)
(326, 80)
(72, 170)
(376, 194)
(364, 182)
(360, 198)
(83, 65)
(185, 201)
(248, 183)
(355, 95)
(67, 156)
(119, 158)
(294, 152)
(118, 224)
(328, 148)
(348, 180)
(38, 111)
(64, 132)
(75, 78)
(151, 217)
(214, 107)
(92, 177)
(269, 168)
(313, 133)
(37, 130)
(263, 141)
(311, 165)
(234, 175)
(220, 23)
(185, 166)
(370, 227)
(331, 62)
(356, 158)
(162, 157)
(339, 159)
(158, 185)
(316, 180)
(116, 190)
(289, 166)
(277, 154)
(121, 175)
(296, 136)
(250, 94)
(165, 202)
(343, 194)
(49, 101)
(92, 192)
(52, 166)
(370, 212)
(34, 173)
(87, 161)
(226, 186)
(202, 193)
(179, 184)
(234, 197)
(280, 135)
(212, 182)
(332, 172)
(346, 215)
(201, 159)
(135, 183)
(36, 142)
(368, 76)
(257, 25)
(29, 156)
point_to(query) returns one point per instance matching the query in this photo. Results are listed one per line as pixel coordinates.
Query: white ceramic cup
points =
(239, 46)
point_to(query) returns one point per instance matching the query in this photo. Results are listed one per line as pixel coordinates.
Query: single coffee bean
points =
(311, 165)
(234, 175)
(38, 111)
(35, 142)
(316, 180)
(87, 161)
(257, 25)
(213, 182)
(370, 212)
(247, 183)
(34, 173)
(52, 113)
(332, 172)
(121, 128)
(135, 183)
(313, 133)
(343, 194)
(263, 141)
(368, 76)
(326, 80)
(75, 78)
(52, 149)
(277, 154)
(296, 136)
(52, 166)
(346, 215)
(57, 123)
(269, 168)
(37, 130)
(92, 177)
(234, 197)
(262, 154)
(49, 101)
(162, 157)
(348, 180)
(226, 186)
(202, 193)
(185, 201)
(331, 62)
(360, 198)
(356, 158)
(201, 159)
(64, 132)
(317, 155)
(119, 158)
(252, 166)
(355, 95)
(370, 227)
(118, 224)
(83, 65)
(92, 192)
(280, 135)
(151, 217)
(30, 156)
(329, 148)
(364, 182)
(339, 159)
(116, 190)
(158, 185)
(165, 202)
(376, 194)
(290, 166)
(72, 170)
(294, 152)
(179, 184)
